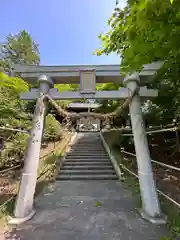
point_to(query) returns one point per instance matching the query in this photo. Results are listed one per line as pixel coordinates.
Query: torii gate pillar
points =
(25, 199)
(150, 203)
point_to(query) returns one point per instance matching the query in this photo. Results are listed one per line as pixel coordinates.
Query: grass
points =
(98, 204)
(171, 211)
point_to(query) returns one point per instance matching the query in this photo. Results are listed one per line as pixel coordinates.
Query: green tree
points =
(19, 48)
(16, 83)
(146, 31)
(142, 32)
(12, 112)
(107, 105)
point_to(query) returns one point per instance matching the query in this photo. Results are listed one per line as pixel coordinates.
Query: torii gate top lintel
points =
(71, 74)
(87, 76)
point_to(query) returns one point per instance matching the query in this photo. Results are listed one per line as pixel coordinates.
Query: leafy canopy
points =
(142, 32)
(146, 31)
(19, 48)
(18, 84)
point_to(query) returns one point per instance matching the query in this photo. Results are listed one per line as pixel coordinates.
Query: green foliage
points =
(139, 29)
(107, 87)
(15, 83)
(14, 149)
(142, 33)
(11, 107)
(64, 88)
(52, 129)
(108, 105)
(19, 48)
(146, 31)
(12, 115)
(67, 87)
(98, 204)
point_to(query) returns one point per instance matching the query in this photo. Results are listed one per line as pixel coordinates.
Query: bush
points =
(14, 150)
(52, 129)
(15, 144)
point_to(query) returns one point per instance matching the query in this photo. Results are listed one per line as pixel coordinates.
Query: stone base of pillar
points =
(161, 219)
(18, 221)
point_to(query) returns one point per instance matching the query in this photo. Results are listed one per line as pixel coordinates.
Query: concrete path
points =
(88, 210)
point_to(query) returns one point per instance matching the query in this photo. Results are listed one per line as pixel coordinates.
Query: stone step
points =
(87, 177)
(77, 154)
(93, 142)
(87, 159)
(89, 171)
(69, 163)
(90, 140)
(87, 155)
(87, 167)
(94, 160)
(88, 146)
(87, 149)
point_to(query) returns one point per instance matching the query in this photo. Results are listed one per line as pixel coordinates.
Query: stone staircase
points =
(87, 160)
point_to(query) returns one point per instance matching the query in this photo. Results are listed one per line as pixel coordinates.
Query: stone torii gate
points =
(87, 76)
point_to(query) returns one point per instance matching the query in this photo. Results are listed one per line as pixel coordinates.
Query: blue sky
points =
(66, 30)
